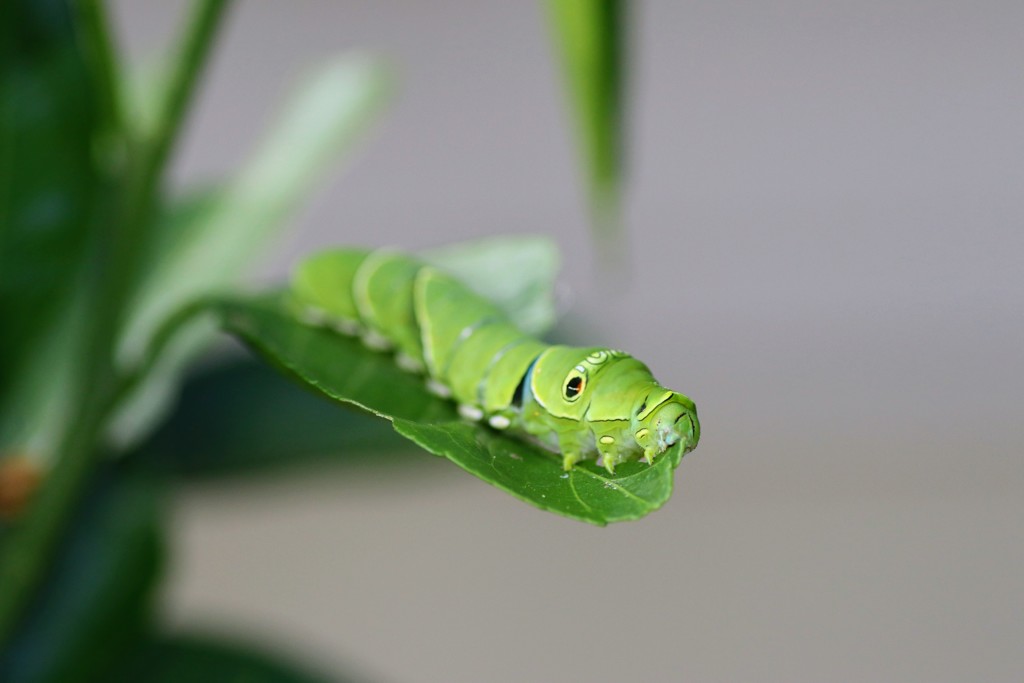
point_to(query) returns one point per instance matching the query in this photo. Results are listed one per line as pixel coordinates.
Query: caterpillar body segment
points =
(322, 285)
(383, 297)
(584, 403)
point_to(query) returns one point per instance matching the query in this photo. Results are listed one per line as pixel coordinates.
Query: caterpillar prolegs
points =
(584, 403)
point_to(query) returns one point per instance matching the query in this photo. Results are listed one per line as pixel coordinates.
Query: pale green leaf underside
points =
(343, 369)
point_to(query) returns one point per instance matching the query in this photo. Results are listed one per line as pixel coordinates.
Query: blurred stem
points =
(100, 54)
(162, 337)
(205, 18)
(150, 159)
(591, 36)
(122, 211)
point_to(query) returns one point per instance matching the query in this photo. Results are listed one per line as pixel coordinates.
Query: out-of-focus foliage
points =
(96, 601)
(205, 243)
(48, 188)
(107, 285)
(241, 416)
(88, 344)
(46, 124)
(590, 36)
(189, 658)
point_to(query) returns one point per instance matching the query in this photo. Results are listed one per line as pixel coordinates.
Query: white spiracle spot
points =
(499, 422)
(408, 363)
(438, 389)
(313, 316)
(349, 328)
(376, 341)
(470, 412)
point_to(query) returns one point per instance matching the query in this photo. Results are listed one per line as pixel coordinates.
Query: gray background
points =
(826, 223)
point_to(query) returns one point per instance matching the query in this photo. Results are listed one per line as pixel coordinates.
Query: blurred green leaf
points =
(207, 659)
(205, 244)
(48, 182)
(345, 370)
(242, 416)
(517, 273)
(591, 38)
(96, 600)
(46, 126)
(44, 391)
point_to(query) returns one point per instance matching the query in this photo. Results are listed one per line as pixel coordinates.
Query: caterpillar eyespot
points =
(573, 388)
(593, 404)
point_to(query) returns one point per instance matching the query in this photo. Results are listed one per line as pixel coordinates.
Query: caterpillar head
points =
(661, 420)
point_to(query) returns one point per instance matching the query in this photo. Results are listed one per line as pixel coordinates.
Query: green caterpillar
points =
(580, 402)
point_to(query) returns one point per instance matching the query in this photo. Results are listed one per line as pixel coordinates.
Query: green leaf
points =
(241, 416)
(591, 37)
(343, 369)
(46, 125)
(586, 493)
(44, 391)
(517, 273)
(208, 659)
(97, 598)
(205, 244)
(47, 192)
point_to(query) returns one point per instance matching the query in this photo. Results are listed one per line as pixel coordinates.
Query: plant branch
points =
(153, 154)
(101, 55)
(129, 380)
(205, 18)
